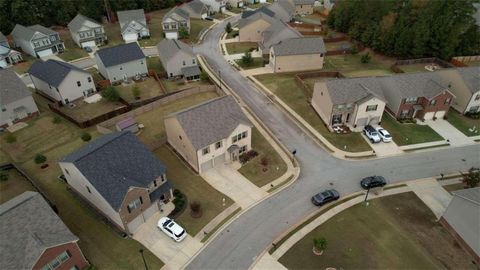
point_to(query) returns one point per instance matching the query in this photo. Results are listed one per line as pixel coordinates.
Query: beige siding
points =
(178, 139)
(9, 116)
(462, 94)
(361, 111)
(321, 102)
(295, 62)
(175, 64)
(253, 31)
(303, 9)
(129, 70)
(69, 88)
(46, 89)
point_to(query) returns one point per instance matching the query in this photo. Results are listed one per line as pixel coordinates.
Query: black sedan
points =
(373, 182)
(325, 197)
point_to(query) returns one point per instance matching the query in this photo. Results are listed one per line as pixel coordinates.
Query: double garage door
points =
(430, 115)
(130, 37)
(44, 53)
(217, 161)
(88, 44)
(134, 224)
(171, 35)
(364, 121)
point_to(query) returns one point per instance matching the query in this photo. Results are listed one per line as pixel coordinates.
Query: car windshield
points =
(374, 133)
(167, 222)
(326, 194)
(180, 234)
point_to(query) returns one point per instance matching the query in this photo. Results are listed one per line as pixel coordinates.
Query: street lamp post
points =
(220, 79)
(143, 258)
(366, 196)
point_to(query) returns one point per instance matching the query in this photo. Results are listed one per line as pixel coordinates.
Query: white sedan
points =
(384, 135)
(172, 229)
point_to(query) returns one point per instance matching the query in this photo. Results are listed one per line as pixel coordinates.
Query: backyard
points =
(14, 186)
(95, 74)
(72, 51)
(463, 123)
(351, 66)
(340, 45)
(83, 111)
(254, 170)
(154, 63)
(177, 85)
(148, 88)
(256, 63)
(409, 133)
(155, 27)
(240, 47)
(285, 87)
(394, 232)
(195, 189)
(112, 30)
(24, 66)
(415, 67)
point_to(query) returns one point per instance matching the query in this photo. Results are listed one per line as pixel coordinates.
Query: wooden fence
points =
(467, 59)
(300, 79)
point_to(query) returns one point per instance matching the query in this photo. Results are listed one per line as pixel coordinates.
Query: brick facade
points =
(441, 105)
(132, 195)
(76, 257)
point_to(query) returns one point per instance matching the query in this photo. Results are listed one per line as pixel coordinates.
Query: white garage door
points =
(429, 115)
(132, 37)
(440, 114)
(45, 53)
(206, 165)
(150, 211)
(361, 122)
(134, 224)
(204, 15)
(374, 120)
(220, 160)
(88, 44)
(171, 35)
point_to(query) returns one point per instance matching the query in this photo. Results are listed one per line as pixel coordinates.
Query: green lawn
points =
(232, 34)
(366, 73)
(155, 64)
(24, 66)
(155, 27)
(241, 47)
(395, 232)
(72, 51)
(257, 63)
(463, 123)
(236, 10)
(340, 45)
(405, 134)
(196, 26)
(253, 170)
(195, 188)
(173, 86)
(95, 74)
(219, 16)
(84, 111)
(153, 120)
(148, 88)
(454, 187)
(285, 87)
(14, 186)
(113, 34)
(351, 63)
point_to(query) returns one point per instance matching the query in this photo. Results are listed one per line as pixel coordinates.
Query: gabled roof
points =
(11, 88)
(211, 121)
(126, 16)
(263, 9)
(29, 227)
(255, 17)
(277, 32)
(471, 78)
(26, 33)
(353, 90)
(169, 48)
(422, 84)
(80, 21)
(115, 162)
(120, 54)
(194, 8)
(52, 71)
(283, 10)
(176, 14)
(298, 46)
(304, 2)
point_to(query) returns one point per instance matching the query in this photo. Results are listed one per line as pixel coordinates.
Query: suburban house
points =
(196, 9)
(283, 9)
(296, 54)
(247, 13)
(8, 56)
(275, 33)
(178, 59)
(36, 40)
(416, 95)
(215, 5)
(252, 27)
(60, 81)
(210, 134)
(122, 62)
(464, 83)
(173, 21)
(16, 100)
(303, 7)
(354, 102)
(461, 219)
(119, 177)
(86, 32)
(236, 3)
(133, 25)
(34, 237)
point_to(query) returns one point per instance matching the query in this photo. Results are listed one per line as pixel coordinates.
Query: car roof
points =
(175, 228)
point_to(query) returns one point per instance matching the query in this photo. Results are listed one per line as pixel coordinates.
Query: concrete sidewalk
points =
(432, 194)
(449, 132)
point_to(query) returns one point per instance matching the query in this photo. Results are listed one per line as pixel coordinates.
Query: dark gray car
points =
(325, 197)
(373, 181)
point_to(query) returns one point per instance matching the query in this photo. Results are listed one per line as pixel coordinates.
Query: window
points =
(447, 101)
(371, 108)
(79, 83)
(337, 119)
(234, 139)
(404, 113)
(411, 100)
(243, 149)
(4, 109)
(474, 109)
(193, 61)
(433, 102)
(341, 106)
(477, 97)
(240, 136)
(206, 150)
(244, 135)
(89, 34)
(82, 35)
(141, 62)
(183, 63)
(154, 183)
(98, 30)
(89, 79)
(218, 144)
(36, 44)
(55, 263)
(166, 26)
(174, 26)
(164, 178)
(349, 105)
(121, 67)
(88, 189)
(134, 204)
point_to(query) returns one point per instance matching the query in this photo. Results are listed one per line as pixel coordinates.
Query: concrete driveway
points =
(233, 184)
(383, 149)
(449, 132)
(173, 254)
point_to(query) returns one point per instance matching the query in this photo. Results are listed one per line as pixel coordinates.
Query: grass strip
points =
(426, 147)
(281, 184)
(210, 233)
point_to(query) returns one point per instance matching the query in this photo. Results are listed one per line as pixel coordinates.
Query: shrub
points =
(247, 156)
(204, 76)
(3, 177)
(264, 161)
(56, 119)
(86, 137)
(247, 59)
(320, 243)
(472, 178)
(136, 92)
(183, 32)
(354, 50)
(228, 28)
(39, 159)
(366, 58)
(111, 93)
(10, 138)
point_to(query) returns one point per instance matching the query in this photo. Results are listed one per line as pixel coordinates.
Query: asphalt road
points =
(239, 244)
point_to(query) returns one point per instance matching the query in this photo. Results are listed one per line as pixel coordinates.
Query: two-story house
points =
(122, 62)
(354, 102)
(236, 3)
(60, 81)
(303, 7)
(296, 54)
(174, 21)
(252, 26)
(34, 237)
(275, 33)
(16, 102)
(8, 56)
(86, 32)
(178, 59)
(119, 177)
(210, 134)
(36, 40)
(464, 83)
(196, 9)
(215, 5)
(133, 25)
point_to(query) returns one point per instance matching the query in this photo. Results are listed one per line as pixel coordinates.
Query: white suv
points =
(172, 229)
(371, 134)
(386, 137)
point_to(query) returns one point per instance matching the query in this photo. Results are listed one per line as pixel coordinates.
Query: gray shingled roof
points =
(422, 84)
(126, 16)
(191, 71)
(178, 12)
(120, 54)
(194, 8)
(115, 162)
(211, 121)
(52, 71)
(254, 17)
(471, 77)
(352, 90)
(283, 10)
(278, 31)
(304, 2)
(26, 33)
(303, 45)
(263, 9)
(11, 88)
(77, 22)
(471, 194)
(28, 227)
(168, 48)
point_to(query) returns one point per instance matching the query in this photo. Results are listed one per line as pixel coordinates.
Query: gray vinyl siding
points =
(130, 69)
(9, 114)
(175, 64)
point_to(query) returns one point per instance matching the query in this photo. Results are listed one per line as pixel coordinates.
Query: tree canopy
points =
(410, 28)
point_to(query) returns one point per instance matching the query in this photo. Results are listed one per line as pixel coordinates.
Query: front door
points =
(234, 155)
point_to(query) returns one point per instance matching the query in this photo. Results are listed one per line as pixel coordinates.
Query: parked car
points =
(88, 49)
(371, 134)
(373, 181)
(208, 18)
(384, 134)
(325, 196)
(172, 229)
